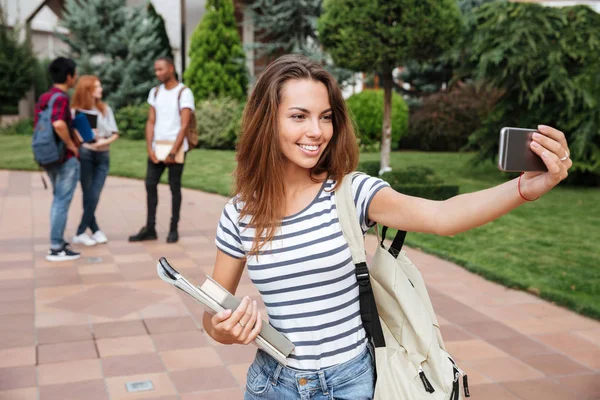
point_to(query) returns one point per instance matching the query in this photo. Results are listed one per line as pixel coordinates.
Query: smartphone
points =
(515, 155)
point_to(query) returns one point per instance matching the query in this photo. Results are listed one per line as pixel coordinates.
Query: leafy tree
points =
(378, 35)
(17, 64)
(115, 42)
(430, 77)
(547, 62)
(217, 65)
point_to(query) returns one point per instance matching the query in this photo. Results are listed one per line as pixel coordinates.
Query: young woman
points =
(94, 157)
(297, 145)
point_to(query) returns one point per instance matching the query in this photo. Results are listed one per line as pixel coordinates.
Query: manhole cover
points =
(94, 260)
(140, 386)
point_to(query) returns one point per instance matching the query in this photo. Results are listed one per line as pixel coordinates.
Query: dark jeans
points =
(64, 179)
(153, 174)
(94, 169)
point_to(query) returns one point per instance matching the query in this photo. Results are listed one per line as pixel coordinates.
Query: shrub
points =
(131, 121)
(21, 127)
(219, 123)
(416, 181)
(547, 61)
(366, 108)
(369, 167)
(432, 191)
(217, 59)
(445, 120)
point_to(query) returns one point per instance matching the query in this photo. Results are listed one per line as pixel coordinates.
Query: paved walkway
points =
(83, 329)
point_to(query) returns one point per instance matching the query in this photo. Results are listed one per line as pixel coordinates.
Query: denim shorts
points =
(351, 380)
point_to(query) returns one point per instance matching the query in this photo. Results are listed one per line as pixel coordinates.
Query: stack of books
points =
(216, 298)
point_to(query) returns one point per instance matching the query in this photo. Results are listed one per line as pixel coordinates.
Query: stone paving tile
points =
(588, 385)
(125, 345)
(132, 364)
(97, 322)
(178, 340)
(541, 388)
(17, 356)
(119, 329)
(227, 394)
(72, 371)
(54, 353)
(17, 377)
(491, 391)
(61, 334)
(176, 360)
(19, 394)
(16, 339)
(165, 325)
(193, 380)
(555, 364)
(88, 390)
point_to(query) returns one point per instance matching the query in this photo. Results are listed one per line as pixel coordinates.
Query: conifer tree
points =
(115, 42)
(217, 59)
(17, 64)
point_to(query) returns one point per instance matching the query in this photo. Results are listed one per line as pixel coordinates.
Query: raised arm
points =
(468, 211)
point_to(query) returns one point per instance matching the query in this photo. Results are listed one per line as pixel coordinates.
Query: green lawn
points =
(550, 247)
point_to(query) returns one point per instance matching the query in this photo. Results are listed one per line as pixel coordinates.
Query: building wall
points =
(594, 4)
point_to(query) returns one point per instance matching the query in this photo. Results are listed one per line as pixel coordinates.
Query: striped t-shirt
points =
(306, 275)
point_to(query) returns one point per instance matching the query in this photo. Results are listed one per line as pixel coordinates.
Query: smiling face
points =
(304, 122)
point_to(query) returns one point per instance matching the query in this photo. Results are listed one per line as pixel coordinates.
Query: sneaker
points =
(144, 234)
(100, 237)
(64, 254)
(85, 239)
(173, 237)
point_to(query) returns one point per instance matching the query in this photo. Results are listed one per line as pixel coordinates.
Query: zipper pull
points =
(466, 386)
(428, 387)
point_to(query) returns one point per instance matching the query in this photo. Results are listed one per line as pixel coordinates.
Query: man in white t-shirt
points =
(171, 109)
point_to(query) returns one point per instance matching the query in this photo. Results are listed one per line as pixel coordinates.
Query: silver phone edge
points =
(502, 149)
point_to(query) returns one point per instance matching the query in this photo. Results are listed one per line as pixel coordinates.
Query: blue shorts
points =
(351, 380)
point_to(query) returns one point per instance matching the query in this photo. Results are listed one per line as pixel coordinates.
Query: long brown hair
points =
(258, 177)
(83, 98)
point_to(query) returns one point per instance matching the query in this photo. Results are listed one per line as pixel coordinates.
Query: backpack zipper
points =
(428, 387)
(464, 376)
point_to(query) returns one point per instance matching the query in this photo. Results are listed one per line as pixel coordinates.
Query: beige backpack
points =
(410, 357)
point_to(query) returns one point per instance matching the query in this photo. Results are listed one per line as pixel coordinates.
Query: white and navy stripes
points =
(306, 276)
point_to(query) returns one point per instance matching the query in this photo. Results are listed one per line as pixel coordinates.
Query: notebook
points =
(215, 298)
(162, 148)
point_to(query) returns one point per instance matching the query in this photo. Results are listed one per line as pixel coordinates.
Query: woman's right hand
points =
(241, 326)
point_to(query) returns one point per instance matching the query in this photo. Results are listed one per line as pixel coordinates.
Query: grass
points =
(549, 247)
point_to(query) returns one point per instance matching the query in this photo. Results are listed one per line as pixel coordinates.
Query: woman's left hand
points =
(551, 145)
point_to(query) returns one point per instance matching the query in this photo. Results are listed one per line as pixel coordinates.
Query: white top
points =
(107, 125)
(168, 119)
(306, 275)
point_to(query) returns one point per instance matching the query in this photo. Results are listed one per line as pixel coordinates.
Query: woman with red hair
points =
(94, 157)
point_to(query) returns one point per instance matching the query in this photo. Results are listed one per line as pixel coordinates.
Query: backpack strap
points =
(179, 98)
(352, 231)
(53, 99)
(397, 243)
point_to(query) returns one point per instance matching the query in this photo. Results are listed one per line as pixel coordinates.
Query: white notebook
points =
(215, 298)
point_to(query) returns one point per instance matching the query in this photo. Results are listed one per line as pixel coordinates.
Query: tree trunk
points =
(386, 134)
